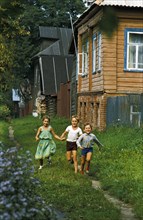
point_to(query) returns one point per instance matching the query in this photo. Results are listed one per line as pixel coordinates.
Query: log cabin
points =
(110, 63)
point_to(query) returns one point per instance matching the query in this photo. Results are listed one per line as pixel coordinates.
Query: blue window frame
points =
(99, 52)
(94, 39)
(133, 50)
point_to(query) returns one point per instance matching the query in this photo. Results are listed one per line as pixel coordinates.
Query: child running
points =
(46, 146)
(72, 132)
(86, 142)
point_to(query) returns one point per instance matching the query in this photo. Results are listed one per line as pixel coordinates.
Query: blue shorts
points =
(86, 151)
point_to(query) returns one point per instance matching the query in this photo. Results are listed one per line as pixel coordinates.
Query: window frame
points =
(94, 53)
(83, 58)
(135, 113)
(99, 51)
(126, 48)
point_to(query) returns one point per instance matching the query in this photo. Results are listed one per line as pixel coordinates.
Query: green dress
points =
(46, 145)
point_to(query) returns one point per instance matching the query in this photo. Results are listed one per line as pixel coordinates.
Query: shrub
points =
(18, 199)
(4, 111)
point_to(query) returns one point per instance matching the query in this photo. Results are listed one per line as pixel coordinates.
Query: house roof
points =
(97, 4)
(126, 3)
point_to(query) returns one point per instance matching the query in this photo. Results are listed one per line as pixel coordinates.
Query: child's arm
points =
(63, 134)
(56, 136)
(98, 143)
(37, 135)
(78, 142)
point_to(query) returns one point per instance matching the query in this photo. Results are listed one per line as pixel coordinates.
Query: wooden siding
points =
(112, 81)
(112, 78)
(63, 100)
(73, 89)
(109, 63)
(127, 81)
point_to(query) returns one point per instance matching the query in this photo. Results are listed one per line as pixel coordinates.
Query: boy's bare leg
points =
(68, 155)
(82, 163)
(88, 159)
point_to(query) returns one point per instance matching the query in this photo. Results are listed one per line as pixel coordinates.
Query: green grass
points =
(119, 167)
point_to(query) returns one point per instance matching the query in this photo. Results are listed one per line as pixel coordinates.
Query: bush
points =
(4, 111)
(18, 199)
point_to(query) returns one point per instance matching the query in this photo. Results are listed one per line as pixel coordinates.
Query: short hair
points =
(46, 117)
(87, 123)
(76, 117)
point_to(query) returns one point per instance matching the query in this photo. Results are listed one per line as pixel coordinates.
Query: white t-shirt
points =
(73, 134)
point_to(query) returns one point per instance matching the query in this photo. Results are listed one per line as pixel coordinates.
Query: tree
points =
(19, 23)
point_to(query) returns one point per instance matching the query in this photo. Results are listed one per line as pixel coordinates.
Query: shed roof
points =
(54, 71)
(55, 63)
(63, 37)
(126, 3)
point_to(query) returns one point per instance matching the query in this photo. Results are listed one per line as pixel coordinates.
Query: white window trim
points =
(126, 52)
(132, 113)
(82, 64)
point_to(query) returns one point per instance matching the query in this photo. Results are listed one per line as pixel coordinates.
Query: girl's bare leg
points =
(41, 163)
(74, 152)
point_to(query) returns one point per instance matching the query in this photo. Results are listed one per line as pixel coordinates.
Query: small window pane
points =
(140, 57)
(132, 57)
(135, 38)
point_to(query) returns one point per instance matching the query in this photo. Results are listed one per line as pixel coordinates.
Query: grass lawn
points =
(119, 167)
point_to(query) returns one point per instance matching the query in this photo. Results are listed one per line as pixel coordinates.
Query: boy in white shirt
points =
(73, 132)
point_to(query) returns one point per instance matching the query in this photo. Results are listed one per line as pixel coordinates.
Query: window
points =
(94, 53)
(135, 115)
(83, 59)
(133, 50)
(99, 52)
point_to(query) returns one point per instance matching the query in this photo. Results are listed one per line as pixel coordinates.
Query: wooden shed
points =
(52, 72)
(110, 66)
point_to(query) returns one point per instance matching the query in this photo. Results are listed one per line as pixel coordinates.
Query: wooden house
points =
(52, 72)
(110, 68)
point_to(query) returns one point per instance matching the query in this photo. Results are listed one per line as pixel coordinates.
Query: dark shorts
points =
(71, 146)
(86, 151)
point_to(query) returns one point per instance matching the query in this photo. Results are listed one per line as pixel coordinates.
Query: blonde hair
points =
(76, 117)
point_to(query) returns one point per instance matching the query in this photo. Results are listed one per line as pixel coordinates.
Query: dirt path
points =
(126, 210)
(11, 136)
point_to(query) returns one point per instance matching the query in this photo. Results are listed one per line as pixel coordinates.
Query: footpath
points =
(126, 209)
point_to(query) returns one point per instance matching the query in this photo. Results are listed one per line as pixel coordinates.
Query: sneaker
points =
(40, 167)
(87, 171)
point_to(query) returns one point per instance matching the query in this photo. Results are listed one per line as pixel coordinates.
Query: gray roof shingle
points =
(126, 3)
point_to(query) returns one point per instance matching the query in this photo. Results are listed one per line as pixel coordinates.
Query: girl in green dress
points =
(46, 145)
